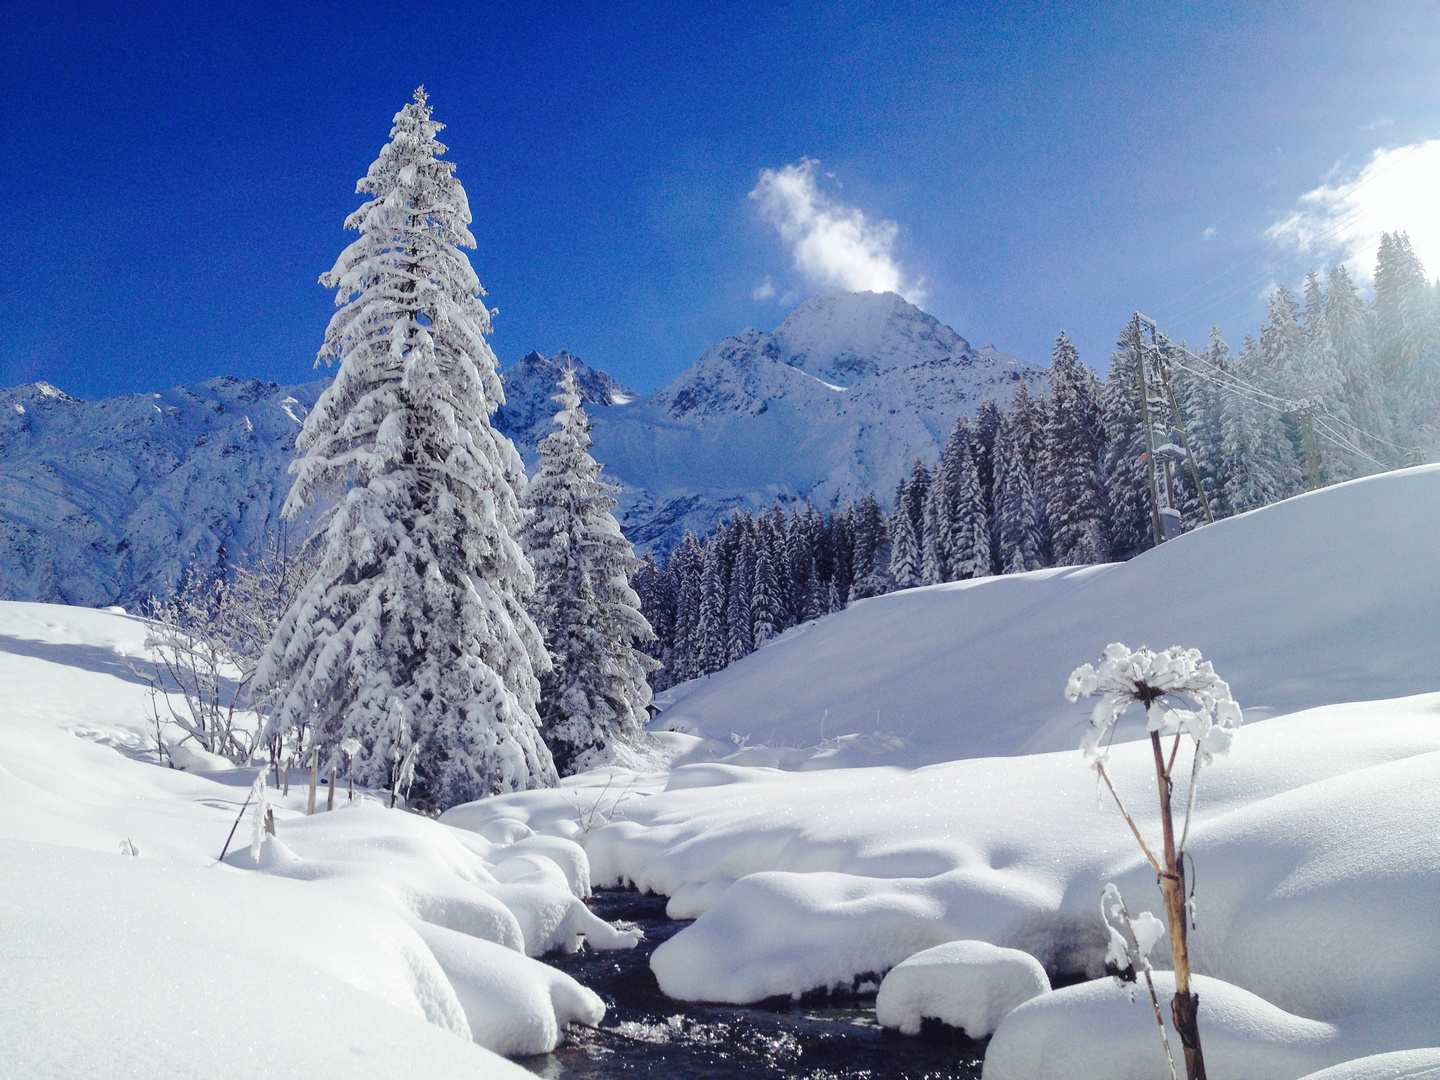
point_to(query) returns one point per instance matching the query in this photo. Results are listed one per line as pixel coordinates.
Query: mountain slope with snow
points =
(105, 502)
(1329, 596)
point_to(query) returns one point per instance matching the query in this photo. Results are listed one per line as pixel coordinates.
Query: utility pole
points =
(1139, 346)
(1163, 370)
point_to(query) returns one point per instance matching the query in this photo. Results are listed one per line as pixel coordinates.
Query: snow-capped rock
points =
(838, 400)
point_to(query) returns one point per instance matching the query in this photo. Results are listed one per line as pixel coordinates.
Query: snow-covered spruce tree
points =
(1127, 484)
(936, 540)
(413, 632)
(1017, 519)
(970, 557)
(1257, 461)
(1069, 462)
(710, 633)
(870, 555)
(741, 643)
(593, 700)
(765, 616)
(904, 542)
(1348, 329)
(1278, 364)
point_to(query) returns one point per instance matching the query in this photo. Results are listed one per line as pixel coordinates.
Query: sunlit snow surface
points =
(1323, 598)
(1316, 842)
(373, 941)
(365, 939)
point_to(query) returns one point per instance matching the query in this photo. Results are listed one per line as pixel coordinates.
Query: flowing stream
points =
(646, 1034)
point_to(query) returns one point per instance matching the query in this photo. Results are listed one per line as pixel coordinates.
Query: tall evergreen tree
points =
(738, 617)
(1200, 399)
(970, 530)
(593, 700)
(936, 540)
(916, 488)
(710, 632)
(989, 419)
(1015, 525)
(871, 553)
(1362, 385)
(904, 545)
(1127, 481)
(1257, 459)
(1069, 461)
(1276, 364)
(413, 633)
(686, 563)
(765, 617)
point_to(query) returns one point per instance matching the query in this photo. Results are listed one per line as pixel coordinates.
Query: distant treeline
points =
(1330, 390)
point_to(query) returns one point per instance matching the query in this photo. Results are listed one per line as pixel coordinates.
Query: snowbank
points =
(356, 934)
(1096, 1032)
(1403, 1065)
(143, 969)
(971, 985)
(826, 880)
(1322, 598)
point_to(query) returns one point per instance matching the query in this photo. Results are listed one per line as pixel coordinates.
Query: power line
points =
(1315, 408)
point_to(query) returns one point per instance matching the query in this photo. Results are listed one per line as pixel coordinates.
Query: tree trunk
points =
(330, 796)
(314, 777)
(1185, 1006)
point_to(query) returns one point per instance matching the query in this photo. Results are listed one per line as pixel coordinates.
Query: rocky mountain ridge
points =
(108, 501)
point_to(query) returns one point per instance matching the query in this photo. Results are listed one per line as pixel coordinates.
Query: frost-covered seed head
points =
(1154, 680)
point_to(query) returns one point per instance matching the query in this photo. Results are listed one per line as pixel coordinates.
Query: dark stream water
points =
(646, 1034)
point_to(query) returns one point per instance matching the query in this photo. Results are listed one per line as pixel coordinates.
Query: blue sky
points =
(176, 176)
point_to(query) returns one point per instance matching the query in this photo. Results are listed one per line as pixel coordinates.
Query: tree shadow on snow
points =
(94, 658)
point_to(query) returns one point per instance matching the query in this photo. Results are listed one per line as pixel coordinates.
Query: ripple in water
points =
(646, 1034)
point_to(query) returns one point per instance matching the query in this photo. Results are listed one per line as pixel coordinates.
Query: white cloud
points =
(1208, 233)
(834, 244)
(1381, 122)
(764, 291)
(1394, 192)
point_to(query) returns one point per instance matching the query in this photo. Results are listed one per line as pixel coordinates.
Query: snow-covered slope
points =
(105, 502)
(366, 938)
(1330, 596)
(1315, 867)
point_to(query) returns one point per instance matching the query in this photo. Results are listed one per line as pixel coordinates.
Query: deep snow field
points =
(891, 851)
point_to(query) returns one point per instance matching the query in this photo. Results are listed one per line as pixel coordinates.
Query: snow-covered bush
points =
(193, 662)
(1161, 681)
(205, 644)
(413, 632)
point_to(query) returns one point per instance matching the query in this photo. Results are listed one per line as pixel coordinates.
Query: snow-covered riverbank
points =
(397, 943)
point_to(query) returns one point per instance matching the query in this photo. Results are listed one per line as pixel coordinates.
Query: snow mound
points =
(147, 969)
(841, 875)
(1402, 1065)
(971, 985)
(363, 934)
(1096, 1032)
(1323, 598)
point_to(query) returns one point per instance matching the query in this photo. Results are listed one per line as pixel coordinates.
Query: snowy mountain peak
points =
(843, 337)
